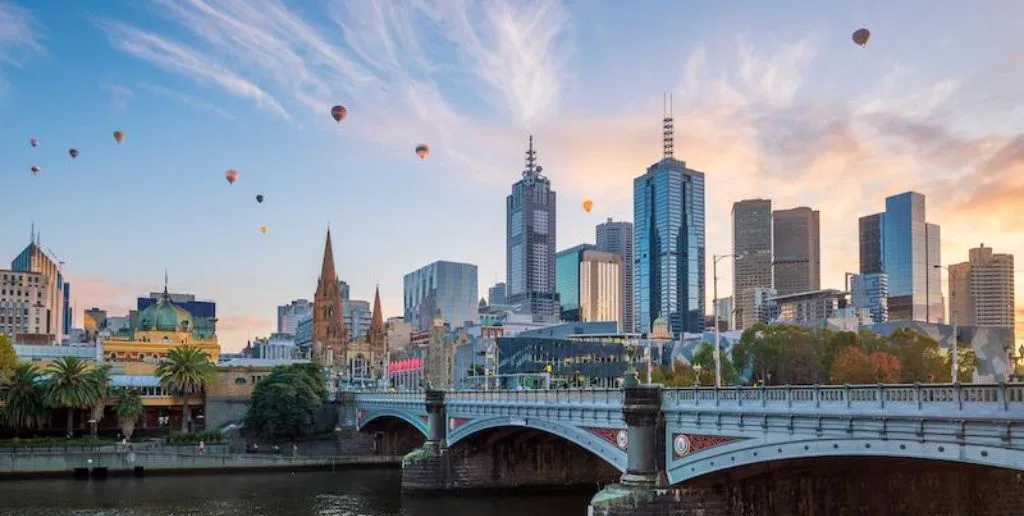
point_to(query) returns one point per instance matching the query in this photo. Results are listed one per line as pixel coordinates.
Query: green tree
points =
(186, 371)
(70, 387)
(24, 405)
(128, 406)
(704, 362)
(920, 355)
(286, 402)
(8, 358)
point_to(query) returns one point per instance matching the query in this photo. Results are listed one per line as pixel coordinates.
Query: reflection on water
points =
(348, 493)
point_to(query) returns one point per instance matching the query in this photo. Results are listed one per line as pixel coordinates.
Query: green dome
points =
(165, 316)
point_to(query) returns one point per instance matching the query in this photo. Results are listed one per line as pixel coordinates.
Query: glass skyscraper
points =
(567, 280)
(668, 246)
(617, 238)
(448, 286)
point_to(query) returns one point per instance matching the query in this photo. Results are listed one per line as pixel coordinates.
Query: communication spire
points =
(531, 161)
(667, 126)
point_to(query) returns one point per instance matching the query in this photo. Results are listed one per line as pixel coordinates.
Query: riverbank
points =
(102, 463)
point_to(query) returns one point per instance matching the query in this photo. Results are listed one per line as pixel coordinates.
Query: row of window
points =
(17, 279)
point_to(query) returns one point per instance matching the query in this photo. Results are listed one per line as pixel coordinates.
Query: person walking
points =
(202, 447)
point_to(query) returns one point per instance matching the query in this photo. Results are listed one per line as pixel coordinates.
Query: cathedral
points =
(363, 358)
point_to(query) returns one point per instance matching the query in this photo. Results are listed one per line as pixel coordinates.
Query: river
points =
(345, 493)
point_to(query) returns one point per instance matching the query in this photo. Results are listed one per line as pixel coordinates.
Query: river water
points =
(346, 493)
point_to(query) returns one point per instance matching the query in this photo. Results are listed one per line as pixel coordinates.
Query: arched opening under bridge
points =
(392, 436)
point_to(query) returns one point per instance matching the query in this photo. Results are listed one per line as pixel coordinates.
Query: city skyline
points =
(770, 102)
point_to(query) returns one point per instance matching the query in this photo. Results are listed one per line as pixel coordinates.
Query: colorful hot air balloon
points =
(35, 169)
(34, 142)
(861, 36)
(423, 150)
(588, 205)
(263, 229)
(339, 113)
(259, 198)
(231, 175)
(73, 153)
(118, 136)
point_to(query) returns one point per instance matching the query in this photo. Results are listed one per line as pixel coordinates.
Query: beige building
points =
(33, 258)
(23, 297)
(752, 257)
(796, 250)
(982, 290)
(601, 280)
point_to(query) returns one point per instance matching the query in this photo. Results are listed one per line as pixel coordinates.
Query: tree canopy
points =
(286, 402)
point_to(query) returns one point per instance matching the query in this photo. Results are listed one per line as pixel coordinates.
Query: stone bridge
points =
(904, 449)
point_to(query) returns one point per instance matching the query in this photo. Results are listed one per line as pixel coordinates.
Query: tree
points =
(22, 395)
(920, 355)
(128, 406)
(887, 367)
(704, 360)
(186, 371)
(852, 365)
(8, 358)
(99, 377)
(286, 402)
(70, 387)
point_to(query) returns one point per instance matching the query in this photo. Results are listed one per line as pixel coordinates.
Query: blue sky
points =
(770, 100)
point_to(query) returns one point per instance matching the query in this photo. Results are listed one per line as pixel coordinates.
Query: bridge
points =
(739, 450)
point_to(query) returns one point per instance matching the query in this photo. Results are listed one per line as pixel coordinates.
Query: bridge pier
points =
(428, 468)
(643, 488)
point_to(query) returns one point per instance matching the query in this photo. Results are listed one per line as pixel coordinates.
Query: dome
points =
(165, 316)
(660, 330)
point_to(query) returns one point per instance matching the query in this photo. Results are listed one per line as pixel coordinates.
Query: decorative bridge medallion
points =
(360, 414)
(455, 422)
(683, 444)
(425, 419)
(616, 436)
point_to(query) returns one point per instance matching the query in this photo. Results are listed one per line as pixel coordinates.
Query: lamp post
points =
(718, 350)
(952, 315)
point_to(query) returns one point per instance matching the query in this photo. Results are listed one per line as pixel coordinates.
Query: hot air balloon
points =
(423, 150)
(231, 175)
(860, 37)
(339, 113)
(259, 198)
(35, 169)
(73, 153)
(118, 136)
(34, 142)
(263, 229)
(588, 205)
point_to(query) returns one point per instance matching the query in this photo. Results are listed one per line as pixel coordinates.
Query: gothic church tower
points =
(330, 338)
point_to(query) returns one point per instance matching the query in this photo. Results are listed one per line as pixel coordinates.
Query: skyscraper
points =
(34, 259)
(446, 286)
(601, 287)
(981, 290)
(752, 263)
(797, 250)
(530, 243)
(901, 244)
(668, 243)
(567, 280)
(496, 294)
(617, 238)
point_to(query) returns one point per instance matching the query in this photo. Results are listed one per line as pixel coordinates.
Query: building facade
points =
(617, 238)
(22, 304)
(329, 337)
(752, 260)
(447, 286)
(796, 248)
(870, 292)
(34, 259)
(496, 294)
(982, 289)
(288, 315)
(600, 287)
(567, 280)
(204, 313)
(805, 308)
(530, 243)
(725, 312)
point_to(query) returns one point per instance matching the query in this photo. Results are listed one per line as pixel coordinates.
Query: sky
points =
(770, 100)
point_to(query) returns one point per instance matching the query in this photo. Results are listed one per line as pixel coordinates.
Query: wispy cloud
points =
(186, 100)
(19, 36)
(119, 94)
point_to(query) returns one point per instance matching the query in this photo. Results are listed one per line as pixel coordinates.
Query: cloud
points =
(19, 36)
(116, 297)
(186, 100)
(119, 94)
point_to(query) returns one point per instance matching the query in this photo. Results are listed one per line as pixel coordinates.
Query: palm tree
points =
(129, 408)
(22, 394)
(70, 387)
(186, 370)
(99, 378)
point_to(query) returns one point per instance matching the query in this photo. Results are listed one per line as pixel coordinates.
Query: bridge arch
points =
(418, 423)
(582, 438)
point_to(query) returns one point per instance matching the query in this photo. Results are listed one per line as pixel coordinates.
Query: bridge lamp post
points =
(952, 315)
(718, 347)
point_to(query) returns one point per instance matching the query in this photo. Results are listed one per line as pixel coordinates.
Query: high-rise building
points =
(288, 315)
(752, 260)
(901, 244)
(34, 259)
(357, 317)
(530, 243)
(797, 251)
(93, 320)
(567, 280)
(981, 290)
(617, 238)
(870, 291)
(601, 287)
(343, 289)
(668, 243)
(446, 286)
(22, 310)
(496, 294)
(329, 336)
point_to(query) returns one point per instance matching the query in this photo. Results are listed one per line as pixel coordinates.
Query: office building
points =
(900, 243)
(617, 238)
(567, 280)
(22, 308)
(496, 294)
(358, 317)
(725, 313)
(797, 250)
(806, 308)
(288, 315)
(870, 292)
(447, 286)
(530, 243)
(35, 259)
(981, 290)
(752, 260)
(668, 243)
(589, 284)
(343, 289)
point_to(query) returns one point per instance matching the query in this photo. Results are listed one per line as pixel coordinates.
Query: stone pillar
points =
(346, 410)
(436, 419)
(643, 488)
(429, 467)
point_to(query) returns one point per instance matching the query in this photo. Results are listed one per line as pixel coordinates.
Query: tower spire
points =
(166, 295)
(32, 236)
(327, 270)
(668, 145)
(532, 170)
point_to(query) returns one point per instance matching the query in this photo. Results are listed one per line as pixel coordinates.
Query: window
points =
(240, 381)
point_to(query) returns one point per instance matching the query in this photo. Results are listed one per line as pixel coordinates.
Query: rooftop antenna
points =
(32, 236)
(667, 125)
(531, 161)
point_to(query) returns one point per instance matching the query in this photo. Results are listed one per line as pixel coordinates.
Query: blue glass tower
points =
(668, 244)
(567, 279)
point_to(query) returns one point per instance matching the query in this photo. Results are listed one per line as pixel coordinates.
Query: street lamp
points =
(952, 315)
(718, 349)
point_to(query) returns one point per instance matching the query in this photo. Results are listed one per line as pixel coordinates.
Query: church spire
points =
(377, 321)
(327, 271)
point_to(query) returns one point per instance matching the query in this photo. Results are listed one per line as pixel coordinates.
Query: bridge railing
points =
(985, 398)
(589, 397)
(383, 396)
